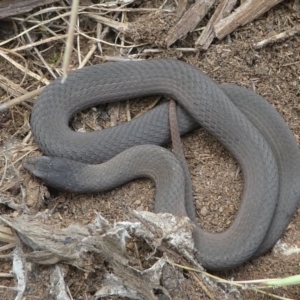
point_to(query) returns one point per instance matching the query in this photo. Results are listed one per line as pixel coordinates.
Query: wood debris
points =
(221, 23)
(76, 244)
(277, 37)
(15, 7)
(189, 21)
(208, 34)
(247, 12)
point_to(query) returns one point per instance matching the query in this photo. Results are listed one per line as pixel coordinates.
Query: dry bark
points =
(189, 20)
(15, 7)
(222, 11)
(246, 13)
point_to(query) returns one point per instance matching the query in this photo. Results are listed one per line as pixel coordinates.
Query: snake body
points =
(249, 127)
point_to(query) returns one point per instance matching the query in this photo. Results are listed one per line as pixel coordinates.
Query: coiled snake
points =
(242, 121)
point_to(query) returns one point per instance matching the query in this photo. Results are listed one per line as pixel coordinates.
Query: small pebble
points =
(231, 207)
(204, 211)
(140, 208)
(137, 202)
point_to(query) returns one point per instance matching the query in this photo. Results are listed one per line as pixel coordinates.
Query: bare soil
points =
(273, 72)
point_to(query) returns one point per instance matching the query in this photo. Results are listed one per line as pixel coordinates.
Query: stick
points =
(277, 37)
(41, 42)
(20, 99)
(222, 11)
(189, 20)
(246, 13)
(10, 87)
(15, 7)
(70, 39)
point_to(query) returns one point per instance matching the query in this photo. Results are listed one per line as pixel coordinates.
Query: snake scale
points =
(245, 123)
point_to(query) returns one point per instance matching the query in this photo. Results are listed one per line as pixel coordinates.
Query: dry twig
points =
(246, 13)
(222, 11)
(189, 20)
(70, 38)
(18, 100)
(23, 69)
(10, 87)
(277, 37)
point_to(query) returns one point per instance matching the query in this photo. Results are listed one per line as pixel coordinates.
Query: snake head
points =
(55, 172)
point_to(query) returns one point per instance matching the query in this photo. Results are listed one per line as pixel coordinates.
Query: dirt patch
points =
(273, 72)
